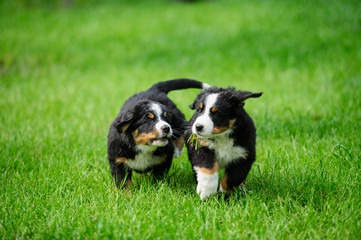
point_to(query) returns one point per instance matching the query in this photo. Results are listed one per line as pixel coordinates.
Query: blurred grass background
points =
(65, 71)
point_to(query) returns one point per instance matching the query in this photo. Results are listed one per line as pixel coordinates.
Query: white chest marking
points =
(225, 151)
(145, 159)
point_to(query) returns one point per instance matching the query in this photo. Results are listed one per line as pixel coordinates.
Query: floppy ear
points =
(128, 117)
(246, 95)
(196, 101)
(243, 96)
(123, 124)
(194, 104)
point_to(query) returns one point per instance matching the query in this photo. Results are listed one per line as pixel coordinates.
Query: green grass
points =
(65, 72)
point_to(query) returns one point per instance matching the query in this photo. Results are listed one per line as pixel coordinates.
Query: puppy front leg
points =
(122, 175)
(160, 170)
(207, 180)
(178, 146)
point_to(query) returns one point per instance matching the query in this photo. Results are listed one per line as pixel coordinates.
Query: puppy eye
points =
(150, 115)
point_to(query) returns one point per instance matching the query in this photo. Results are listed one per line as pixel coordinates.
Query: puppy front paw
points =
(205, 191)
(207, 182)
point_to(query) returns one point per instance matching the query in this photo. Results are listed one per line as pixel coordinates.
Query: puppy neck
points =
(216, 136)
(146, 148)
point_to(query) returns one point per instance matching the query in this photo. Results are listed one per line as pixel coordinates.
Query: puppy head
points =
(148, 123)
(217, 110)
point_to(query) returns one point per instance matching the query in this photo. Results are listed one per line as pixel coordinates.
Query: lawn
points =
(65, 72)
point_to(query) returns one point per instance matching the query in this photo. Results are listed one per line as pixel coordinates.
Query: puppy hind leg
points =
(235, 176)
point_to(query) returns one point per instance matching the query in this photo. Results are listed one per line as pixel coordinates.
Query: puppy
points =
(148, 132)
(222, 135)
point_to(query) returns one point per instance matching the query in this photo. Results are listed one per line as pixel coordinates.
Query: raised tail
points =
(177, 84)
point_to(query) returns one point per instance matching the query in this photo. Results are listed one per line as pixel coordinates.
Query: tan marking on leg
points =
(219, 129)
(224, 183)
(120, 160)
(210, 171)
(127, 187)
(129, 183)
(144, 138)
(179, 143)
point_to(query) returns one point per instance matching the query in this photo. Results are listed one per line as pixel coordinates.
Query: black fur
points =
(133, 117)
(230, 105)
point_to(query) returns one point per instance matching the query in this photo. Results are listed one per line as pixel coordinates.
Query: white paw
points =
(207, 183)
(221, 189)
(205, 191)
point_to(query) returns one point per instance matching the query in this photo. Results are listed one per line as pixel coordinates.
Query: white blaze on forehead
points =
(158, 111)
(205, 119)
(211, 101)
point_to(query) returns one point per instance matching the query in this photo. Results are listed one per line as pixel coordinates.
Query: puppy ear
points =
(194, 104)
(196, 101)
(127, 118)
(125, 121)
(246, 95)
(243, 96)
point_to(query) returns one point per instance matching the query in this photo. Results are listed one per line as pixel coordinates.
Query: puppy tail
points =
(177, 84)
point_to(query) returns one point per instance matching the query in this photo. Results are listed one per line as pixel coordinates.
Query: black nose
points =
(199, 127)
(165, 129)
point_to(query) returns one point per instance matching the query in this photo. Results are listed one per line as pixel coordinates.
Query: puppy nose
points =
(199, 127)
(165, 128)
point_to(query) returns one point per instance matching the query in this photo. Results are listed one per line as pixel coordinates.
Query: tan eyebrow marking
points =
(201, 105)
(165, 114)
(214, 109)
(151, 115)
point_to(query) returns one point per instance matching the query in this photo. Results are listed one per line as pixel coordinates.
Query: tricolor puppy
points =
(147, 132)
(222, 135)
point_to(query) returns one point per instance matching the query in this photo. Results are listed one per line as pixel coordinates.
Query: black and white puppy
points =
(226, 138)
(148, 132)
